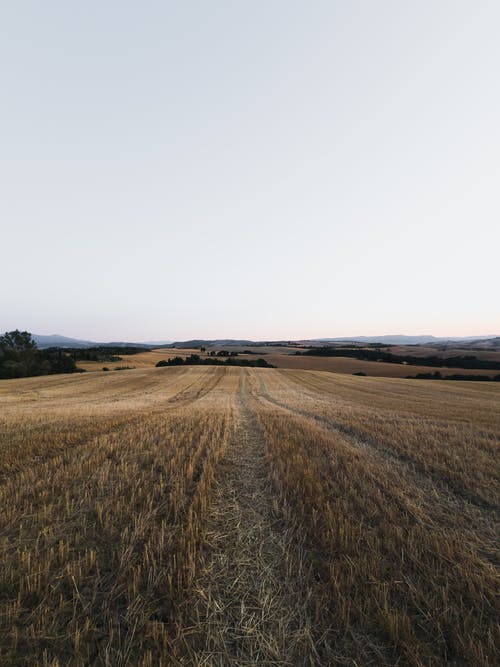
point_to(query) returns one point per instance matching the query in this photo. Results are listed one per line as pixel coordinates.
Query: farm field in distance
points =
(285, 357)
(202, 515)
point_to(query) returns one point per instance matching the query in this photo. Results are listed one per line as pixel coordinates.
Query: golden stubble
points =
(239, 516)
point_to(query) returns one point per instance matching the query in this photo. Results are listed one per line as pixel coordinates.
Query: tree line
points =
(20, 357)
(196, 360)
(456, 376)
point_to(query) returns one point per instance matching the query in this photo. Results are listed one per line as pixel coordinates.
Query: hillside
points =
(56, 340)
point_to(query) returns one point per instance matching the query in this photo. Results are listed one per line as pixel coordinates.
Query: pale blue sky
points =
(266, 169)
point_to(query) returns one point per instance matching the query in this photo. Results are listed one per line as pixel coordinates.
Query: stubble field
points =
(230, 516)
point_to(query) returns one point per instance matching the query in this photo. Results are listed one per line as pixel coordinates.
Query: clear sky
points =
(266, 169)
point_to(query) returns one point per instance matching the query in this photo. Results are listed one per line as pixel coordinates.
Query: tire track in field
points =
(247, 606)
(74, 443)
(386, 452)
(478, 518)
(188, 394)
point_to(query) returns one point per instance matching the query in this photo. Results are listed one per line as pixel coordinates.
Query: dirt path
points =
(247, 608)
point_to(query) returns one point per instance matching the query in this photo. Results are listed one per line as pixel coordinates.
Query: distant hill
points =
(486, 342)
(54, 340)
(402, 340)
(200, 342)
(482, 344)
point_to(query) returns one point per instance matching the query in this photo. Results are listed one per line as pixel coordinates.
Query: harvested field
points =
(140, 360)
(429, 351)
(286, 358)
(228, 516)
(349, 366)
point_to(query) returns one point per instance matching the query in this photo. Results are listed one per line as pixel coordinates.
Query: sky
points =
(266, 170)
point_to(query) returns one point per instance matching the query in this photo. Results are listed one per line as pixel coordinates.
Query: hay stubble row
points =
(218, 516)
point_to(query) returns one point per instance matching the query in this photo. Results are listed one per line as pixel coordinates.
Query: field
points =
(146, 359)
(229, 516)
(284, 357)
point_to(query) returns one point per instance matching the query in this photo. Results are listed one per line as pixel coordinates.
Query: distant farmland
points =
(220, 516)
(285, 357)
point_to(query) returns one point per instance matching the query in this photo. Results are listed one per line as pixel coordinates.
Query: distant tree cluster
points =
(20, 357)
(196, 360)
(223, 353)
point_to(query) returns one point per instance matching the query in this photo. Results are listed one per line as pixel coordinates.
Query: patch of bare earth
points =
(248, 604)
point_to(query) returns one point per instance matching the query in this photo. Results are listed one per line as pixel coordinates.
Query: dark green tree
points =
(18, 341)
(18, 354)
(19, 357)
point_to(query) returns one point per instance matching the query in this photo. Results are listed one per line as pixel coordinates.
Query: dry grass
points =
(99, 538)
(214, 516)
(410, 563)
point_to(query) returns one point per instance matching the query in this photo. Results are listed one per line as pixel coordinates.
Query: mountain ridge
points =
(57, 340)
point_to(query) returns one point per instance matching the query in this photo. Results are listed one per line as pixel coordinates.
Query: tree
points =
(19, 357)
(17, 341)
(18, 354)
